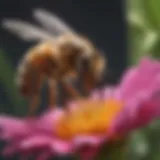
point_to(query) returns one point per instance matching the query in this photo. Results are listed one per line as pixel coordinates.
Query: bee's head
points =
(93, 67)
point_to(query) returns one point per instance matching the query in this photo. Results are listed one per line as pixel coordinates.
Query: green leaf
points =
(7, 74)
(142, 44)
(136, 14)
(152, 11)
(143, 32)
(138, 145)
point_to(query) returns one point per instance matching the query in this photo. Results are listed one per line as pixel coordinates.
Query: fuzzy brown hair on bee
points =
(46, 61)
(57, 58)
(94, 70)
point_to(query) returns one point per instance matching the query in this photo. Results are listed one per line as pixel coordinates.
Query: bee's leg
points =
(34, 102)
(70, 89)
(35, 97)
(88, 82)
(52, 91)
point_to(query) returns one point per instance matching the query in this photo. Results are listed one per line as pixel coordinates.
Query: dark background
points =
(101, 20)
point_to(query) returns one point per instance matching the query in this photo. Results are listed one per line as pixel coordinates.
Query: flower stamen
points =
(89, 118)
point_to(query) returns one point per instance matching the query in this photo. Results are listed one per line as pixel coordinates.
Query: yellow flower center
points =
(89, 118)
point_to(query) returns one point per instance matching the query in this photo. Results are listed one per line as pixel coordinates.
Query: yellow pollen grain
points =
(90, 118)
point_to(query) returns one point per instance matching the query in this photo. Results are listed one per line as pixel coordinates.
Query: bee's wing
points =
(52, 22)
(26, 31)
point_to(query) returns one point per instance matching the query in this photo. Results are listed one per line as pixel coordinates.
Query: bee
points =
(59, 56)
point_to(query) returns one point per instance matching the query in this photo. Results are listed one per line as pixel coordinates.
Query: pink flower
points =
(140, 89)
(108, 114)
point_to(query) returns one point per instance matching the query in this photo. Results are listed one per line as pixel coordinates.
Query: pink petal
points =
(139, 79)
(138, 89)
(88, 140)
(48, 119)
(11, 127)
(36, 142)
(62, 147)
(44, 141)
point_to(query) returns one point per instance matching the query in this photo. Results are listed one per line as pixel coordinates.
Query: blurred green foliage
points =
(7, 76)
(143, 18)
(143, 28)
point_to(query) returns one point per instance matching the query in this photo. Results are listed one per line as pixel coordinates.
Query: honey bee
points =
(57, 58)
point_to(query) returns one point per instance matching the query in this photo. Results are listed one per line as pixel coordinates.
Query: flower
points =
(106, 115)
